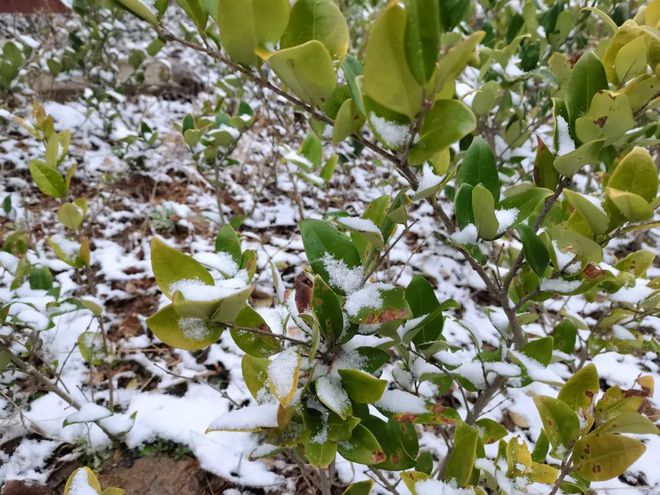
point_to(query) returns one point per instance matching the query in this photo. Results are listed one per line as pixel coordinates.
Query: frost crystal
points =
(393, 134)
(347, 279)
(194, 328)
(367, 297)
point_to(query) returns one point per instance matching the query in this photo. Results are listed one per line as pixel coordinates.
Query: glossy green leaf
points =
(632, 206)
(447, 122)
(306, 69)
(540, 349)
(461, 458)
(138, 8)
(255, 373)
(630, 422)
(603, 456)
(170, 266)
(387, 76)
(317, 20)
(545, 174)
(525, 202)
(328, 310)
(260, 345)
(478, 166)
(321, 239)
(362, 448)
(422, 38)
(246, 25)
(587, 154)
(637, 173)
(348, 121)
(580, 389)
(584, 248)
(227, 241)
(615, 402)
(483, 206)
(70, 215)
(560, 422)
(564, 336)
(320, 454)
(609, 117)
(592, 211)
(359, 488)
(490, 430)
(631, 59)
(585, 80)
(48, 179)
(362, 387)
(463, 206)
(423, 301)
(183, 332)
(536, 253)
(455, 59)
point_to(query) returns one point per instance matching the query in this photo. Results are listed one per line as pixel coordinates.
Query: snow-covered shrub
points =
(318, 392)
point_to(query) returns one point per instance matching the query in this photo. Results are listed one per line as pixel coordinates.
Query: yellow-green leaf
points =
(387, 77)
(592, 211)
(183, 332)
(483, 206)
(246, 25)
(306, 69)
(603, 456)
(170, 266)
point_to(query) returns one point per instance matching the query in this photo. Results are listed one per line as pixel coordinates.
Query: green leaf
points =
(70, 215)
(306, 69)
(456, 58)
(636, 173)
(260, 345)
(170, 266)
(255, 373)
(579, 390)
(583, 247)
(570, 164)
(387, 77)
(91, 347)
(392, 311)
(320, 454)
(632, 206)
(362, 448)
(541, 447)
(479, 166)
(615, 402)
(328, 311)
(48, 179)
(603, 456)
(423, 301)
(246, 25)
(540, 350)
(447, 122)
(196, 13)
(526, 202)
(535, 251)
(560, 422)
(545, 174)
(320, 238)
(317, 20)
(353, 69)
(585, 80)
(630, 422)
(631, 60)
(348, 121)
(609, 117)
(483, 206)
(422, 38)
(362, 387)
(227, 241)
(461, 458)
(463, 206)
(40, 278)
(593, 213)
(182, 332)
(138, 8)
(359, 488)
(565, 335)
(490, 430)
